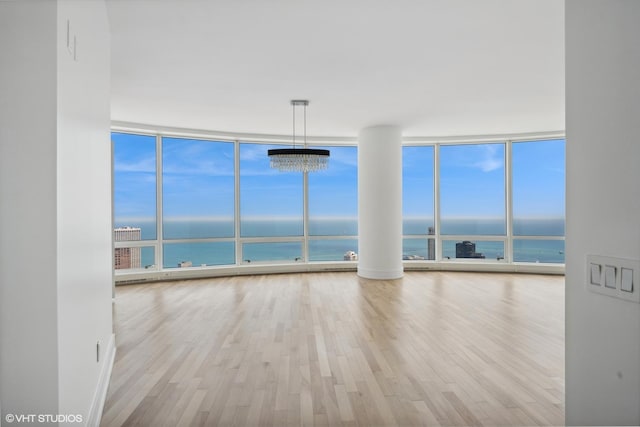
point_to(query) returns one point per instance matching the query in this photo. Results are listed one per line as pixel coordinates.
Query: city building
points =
(380, 75)
(125, 258)
(467, 249)
(431, 244)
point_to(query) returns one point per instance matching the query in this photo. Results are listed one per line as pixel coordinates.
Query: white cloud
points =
(490, 158)
(339, 156)
(142, 165)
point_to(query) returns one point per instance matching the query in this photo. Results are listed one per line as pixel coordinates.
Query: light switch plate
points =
(616, 277)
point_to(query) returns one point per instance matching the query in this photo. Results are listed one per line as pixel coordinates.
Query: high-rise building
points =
(431, 244)
(127, 257)
(467, 249)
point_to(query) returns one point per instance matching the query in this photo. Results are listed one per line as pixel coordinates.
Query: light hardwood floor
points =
(433, 348)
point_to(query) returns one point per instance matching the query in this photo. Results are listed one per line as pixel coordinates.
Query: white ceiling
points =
(433, 67)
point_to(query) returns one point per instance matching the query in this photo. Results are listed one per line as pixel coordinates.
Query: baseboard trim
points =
(370, 273)
(100, 396)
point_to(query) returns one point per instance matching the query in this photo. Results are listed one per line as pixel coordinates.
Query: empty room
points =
(359, 213)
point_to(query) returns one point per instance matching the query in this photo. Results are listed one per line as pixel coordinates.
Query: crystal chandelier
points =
(299, 159)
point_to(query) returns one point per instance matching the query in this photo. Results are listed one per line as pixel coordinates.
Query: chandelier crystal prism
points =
(299, 159)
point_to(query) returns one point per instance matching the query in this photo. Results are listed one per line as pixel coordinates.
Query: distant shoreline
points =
(415, 244)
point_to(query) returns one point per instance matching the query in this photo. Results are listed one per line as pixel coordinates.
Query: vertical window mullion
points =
(436, 200)
(236, 210)
(508, 179)
(159, 229)
(305, 216)
(113, 217)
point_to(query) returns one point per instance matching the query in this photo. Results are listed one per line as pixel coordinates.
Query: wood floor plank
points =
(191, 410)
(432, 348)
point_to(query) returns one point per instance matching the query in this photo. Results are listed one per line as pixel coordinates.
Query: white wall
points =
(84, 202)
(603, 207)
(28, 289)
(55, 207)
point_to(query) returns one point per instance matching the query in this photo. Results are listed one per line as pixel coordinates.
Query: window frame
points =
(508, 238)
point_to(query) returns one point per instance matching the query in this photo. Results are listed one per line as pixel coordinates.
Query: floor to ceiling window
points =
(472, 201)
(538, 201)
(271, 205)
(193, 203)
(418, 220)
(198, 199)
(333, 207)
(134, 201)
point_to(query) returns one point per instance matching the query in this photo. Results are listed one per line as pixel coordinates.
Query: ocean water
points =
(415, 244)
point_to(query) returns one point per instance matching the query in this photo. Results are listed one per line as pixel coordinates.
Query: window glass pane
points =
(134, 258)
(418, 249)
(417, 190)
(539, 188)
(270, 200)
(333, 195)
(473, 250)
(276, 251)
(266, 227)
(333, 226)
(472, 189)
(134, 182)
(199, 254)
(197, 188)
(551, 251)
(333, 250)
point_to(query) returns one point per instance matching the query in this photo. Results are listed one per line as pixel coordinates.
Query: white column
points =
(380, 202)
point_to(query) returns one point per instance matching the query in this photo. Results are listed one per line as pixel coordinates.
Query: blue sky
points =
(472, 181)
(538, 179)
(198, 181)
(134, 163)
